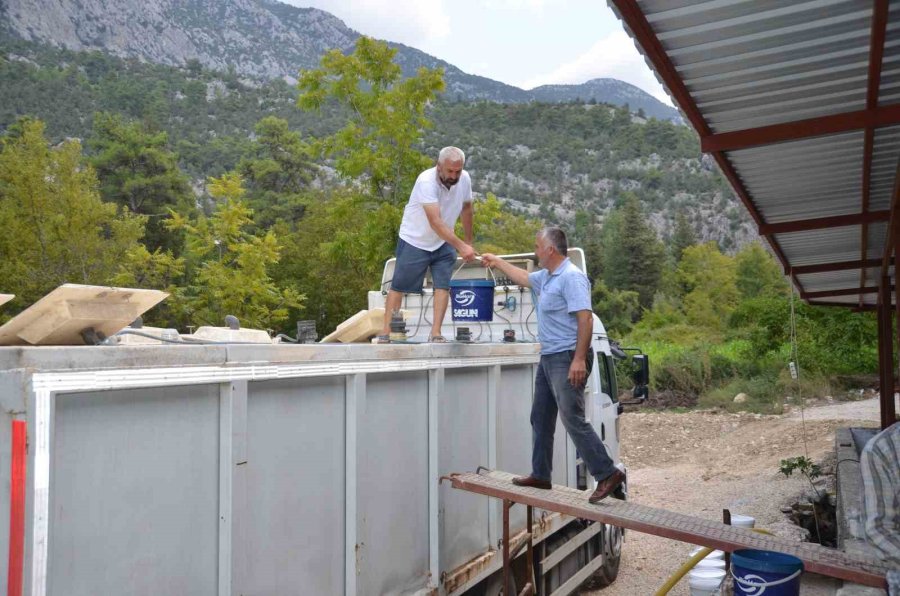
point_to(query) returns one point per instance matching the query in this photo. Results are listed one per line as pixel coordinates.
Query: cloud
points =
(404, 21)
(613, 57)
(515, 4)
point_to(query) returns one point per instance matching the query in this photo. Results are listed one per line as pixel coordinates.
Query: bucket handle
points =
(777, 582)
(490, 269)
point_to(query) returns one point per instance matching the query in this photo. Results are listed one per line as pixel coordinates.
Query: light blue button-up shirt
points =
(560, 295)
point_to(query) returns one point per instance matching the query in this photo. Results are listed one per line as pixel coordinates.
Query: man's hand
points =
(517, 275)
(467, 253)
(577, 372)
(489, 260)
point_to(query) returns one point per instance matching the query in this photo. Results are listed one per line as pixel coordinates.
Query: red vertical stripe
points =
(17, 509)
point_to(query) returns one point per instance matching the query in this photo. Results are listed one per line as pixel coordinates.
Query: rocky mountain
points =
(261, 39)
(600, 89)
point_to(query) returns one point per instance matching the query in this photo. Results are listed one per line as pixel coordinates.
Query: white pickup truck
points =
(284, 469)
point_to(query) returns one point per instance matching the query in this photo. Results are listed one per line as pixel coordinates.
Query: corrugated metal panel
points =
(885, 155)
(848, 300)
(877, 237)
(749, 64)
(889, 91)
(816, 246)
(790, 181)
(833, 280)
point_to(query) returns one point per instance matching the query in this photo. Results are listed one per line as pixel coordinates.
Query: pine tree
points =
(138, 171)
(682, 237)
(276, 170)
(632, 253)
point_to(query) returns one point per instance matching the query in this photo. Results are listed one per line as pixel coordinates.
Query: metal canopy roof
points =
(799, 103)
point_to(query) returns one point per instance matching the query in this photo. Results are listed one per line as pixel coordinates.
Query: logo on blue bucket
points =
(758, 572)
(472, 300)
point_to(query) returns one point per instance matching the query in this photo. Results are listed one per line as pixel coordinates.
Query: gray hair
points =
(451, 154)
(557, 239)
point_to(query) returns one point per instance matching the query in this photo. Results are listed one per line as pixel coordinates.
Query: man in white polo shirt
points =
(427, 240)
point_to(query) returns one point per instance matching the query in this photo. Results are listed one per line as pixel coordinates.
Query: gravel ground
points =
(701, 462)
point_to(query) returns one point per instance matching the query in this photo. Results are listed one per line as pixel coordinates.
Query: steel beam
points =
(876, 55)
(886, 354)
(801, 129)
(822, 223)
(836, 266)
(841, 292)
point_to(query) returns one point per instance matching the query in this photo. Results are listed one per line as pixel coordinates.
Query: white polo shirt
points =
(428, 190)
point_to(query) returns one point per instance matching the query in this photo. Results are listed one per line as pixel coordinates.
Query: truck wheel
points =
(493, 586)
(612, 556)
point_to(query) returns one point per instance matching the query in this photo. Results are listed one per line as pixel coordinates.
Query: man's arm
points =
(433, 213)
(468, 215)
(578, 368)
(517, 275)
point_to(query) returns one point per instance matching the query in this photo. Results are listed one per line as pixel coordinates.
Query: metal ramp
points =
(685, 528)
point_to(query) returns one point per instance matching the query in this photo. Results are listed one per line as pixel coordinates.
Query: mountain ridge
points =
(265, 39)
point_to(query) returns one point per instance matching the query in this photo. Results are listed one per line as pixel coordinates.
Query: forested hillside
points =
(548, 160)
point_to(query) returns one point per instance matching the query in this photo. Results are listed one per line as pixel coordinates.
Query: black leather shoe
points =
(606, 486)
(531, 482)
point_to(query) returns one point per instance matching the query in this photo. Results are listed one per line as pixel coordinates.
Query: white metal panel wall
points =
(463, 437)
(392, 486)
(295, 488)
(134, 492)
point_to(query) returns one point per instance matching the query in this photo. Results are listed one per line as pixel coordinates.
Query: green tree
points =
(227, 269)
(276, 170)
(337, 254)
(500, 232)
(682, 237)
(137, 170)
(709, 281)
(633, 255)
(386, 115)
(617, 309)
(757, 273)
(56, 229)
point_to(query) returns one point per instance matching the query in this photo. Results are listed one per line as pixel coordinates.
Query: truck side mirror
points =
(641, 376)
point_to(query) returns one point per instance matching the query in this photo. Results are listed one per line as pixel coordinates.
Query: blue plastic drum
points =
(472, 300)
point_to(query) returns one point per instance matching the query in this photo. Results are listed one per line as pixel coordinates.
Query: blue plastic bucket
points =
(472, 300)
(758, 572)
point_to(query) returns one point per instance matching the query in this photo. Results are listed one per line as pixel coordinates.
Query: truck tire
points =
(612, 556)
(493, 586)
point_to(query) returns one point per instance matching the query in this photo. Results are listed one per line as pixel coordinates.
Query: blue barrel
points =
(758, 572)
(472, 300)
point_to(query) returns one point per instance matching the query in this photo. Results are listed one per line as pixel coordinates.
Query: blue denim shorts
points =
(412, 262)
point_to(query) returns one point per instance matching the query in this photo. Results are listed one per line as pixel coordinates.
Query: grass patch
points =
(763, 396)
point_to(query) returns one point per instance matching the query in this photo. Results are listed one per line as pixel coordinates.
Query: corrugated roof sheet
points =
(747, 64)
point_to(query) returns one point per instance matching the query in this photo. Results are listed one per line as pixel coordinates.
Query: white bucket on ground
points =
(742, 521)
(708, 563)
(716, 554)
(706, 582)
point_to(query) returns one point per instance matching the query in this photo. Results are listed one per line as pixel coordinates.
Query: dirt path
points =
(701, 462)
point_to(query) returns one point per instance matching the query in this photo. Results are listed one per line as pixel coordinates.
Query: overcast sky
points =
(525, 43)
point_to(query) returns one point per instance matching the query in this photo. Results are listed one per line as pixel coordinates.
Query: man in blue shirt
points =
(565, 324)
